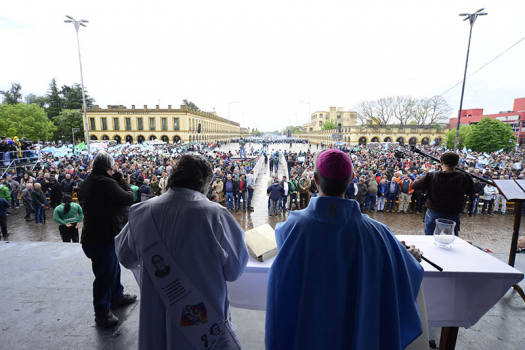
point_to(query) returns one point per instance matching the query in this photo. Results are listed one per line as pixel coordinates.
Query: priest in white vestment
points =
(205, 241)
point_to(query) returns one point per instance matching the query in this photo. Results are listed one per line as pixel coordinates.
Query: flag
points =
(81, 146)
(464, 150)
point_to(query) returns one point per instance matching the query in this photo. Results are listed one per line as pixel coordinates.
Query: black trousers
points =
(3, 225)
(68, 234)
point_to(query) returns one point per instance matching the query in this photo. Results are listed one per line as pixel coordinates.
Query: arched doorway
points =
(152, 137)
(375, 139)
(105, 137)
(118, 139)
(401, 141)
(412, 141)
(165, 139)
(141, 139)
(387, 139)
(129, 139)
(93, 137)
(176, 139)
(425, 141)
(362, 141)
(438, 141)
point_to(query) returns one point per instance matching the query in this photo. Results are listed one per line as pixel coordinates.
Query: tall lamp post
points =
(472, 18)
(77, 25)
(230, 103)
(309, 116)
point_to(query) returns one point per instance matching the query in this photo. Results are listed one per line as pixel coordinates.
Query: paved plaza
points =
(55, 312)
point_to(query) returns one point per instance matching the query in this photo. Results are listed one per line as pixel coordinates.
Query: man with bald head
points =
(38, 203)
(340, 280)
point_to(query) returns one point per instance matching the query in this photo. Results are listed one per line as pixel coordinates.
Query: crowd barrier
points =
(258, 167)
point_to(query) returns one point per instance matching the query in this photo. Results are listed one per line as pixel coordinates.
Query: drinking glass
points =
(444, 233)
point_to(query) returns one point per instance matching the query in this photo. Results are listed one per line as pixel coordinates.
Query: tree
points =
(401, 108)
(191, 105)
(65, 121)
(463, 134)
(72, 97)
(490, 135)
(55, 101)
(13, 95)
(39, 100)
(329, 125)
(25, 120)
(433, 110)
(293, 130)
(376, 112)
(256, 133)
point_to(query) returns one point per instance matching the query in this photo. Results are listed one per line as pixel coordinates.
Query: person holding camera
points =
(446, 191)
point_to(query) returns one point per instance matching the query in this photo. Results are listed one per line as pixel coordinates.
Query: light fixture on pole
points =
(77, 25)
(309, 117)
(230, 103)
(472, 18)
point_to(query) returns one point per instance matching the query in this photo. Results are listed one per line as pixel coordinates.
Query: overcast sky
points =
(267, 55)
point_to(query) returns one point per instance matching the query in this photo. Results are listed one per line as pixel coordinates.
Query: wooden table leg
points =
(449, 335)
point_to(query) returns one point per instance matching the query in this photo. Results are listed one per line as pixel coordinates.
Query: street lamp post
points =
(472, 18)
(77, 25)
(309, 116)
(230, 103)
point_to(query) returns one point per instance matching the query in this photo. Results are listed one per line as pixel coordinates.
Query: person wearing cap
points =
(340, 280)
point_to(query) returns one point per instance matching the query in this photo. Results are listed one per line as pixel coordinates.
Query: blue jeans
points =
(391, 201)
(293, 198)
(105, 265)
(243, 196)
(250, 196)
(282, 202)
(14, 199)
(229, 200)
(242, 152)
(430, 221)
(39, 213)
(370, 201)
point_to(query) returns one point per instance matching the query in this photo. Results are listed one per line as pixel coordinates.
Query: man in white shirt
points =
(202, 254)
(284, 198)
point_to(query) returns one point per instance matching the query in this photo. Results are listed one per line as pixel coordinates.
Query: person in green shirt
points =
(5, 193)
(68, 215)
(135, 189)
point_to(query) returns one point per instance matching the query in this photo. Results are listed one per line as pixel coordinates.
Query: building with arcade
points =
(137, 125)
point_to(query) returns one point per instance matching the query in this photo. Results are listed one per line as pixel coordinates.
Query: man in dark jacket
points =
(56, 193)
(241, 188)
(446, 191)
(276, 191)
(67, 185)
(393, 192)
(104, 201)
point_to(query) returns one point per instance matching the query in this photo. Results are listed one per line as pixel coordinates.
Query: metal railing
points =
(18, 162)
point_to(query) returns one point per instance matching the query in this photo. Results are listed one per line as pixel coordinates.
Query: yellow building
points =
(354, 134)
(336, 115)
(169, 125)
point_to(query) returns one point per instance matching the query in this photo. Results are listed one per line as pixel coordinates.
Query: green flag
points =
(81, 146)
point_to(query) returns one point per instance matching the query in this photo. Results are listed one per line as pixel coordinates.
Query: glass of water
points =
(444, 233)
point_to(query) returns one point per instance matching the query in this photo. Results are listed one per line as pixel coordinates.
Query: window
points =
(152, 124)
(115, 124)
(339, 117)
(128, 124)
(176, 124)
(164, 124)
(140, 124)
(104, 124)
(92, 123)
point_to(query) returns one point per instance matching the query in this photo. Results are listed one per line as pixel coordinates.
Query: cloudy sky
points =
(267, 55)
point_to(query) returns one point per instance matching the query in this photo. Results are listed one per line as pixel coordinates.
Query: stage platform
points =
(46, 303)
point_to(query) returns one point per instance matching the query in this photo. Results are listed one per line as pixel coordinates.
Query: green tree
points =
(329, 125)
(25, 120)
(463, 134)
(39, 100)
(490, 135)
(72, 97)
(256, 132)
(55, 101)
(191, 105)
(13, 95)
(65, 121)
